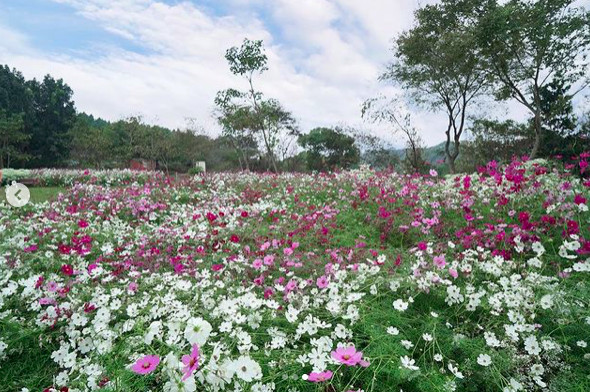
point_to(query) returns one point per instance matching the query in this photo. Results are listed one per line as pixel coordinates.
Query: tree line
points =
(530, 52)
(40, 127)
(458, 55)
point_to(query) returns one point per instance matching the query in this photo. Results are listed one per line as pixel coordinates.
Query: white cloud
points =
(324, 58)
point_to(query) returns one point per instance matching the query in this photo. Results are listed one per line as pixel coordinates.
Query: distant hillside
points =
(432, 154)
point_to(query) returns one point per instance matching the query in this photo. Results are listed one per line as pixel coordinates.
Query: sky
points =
(164, 59)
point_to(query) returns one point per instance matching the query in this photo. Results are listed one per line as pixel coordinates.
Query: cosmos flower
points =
(191, 362)
(197, 331)
(146, 364)
(349, 356)
(318, 376)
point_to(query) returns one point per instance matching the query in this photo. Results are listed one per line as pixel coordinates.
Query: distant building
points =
(142, 164)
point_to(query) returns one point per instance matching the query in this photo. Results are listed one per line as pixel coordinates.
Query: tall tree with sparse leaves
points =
(436, 61)
(527, 45)
(248, 114)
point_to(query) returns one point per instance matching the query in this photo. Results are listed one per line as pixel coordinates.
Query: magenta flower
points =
(67, 269)
(146, 364)
(319, 377)
(191, 362)
(349, 356)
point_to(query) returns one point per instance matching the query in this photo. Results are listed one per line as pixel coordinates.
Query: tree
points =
(436, 61)
(244, 115)
(374, 151)
(281, 127)
(528, 45)
(494, 140)
(12, 139)
(237, 122)
(328, 149)
(54, 116)
(92, 142)
(384, 110)
(15, 96)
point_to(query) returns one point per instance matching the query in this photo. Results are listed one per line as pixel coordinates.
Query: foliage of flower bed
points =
(9, 175)
(338, 282)
(66, 177)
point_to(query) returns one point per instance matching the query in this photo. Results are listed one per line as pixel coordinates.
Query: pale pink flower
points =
(349, 356)
(257, 264)
(319, 377)
(440, 261)
(191, 362)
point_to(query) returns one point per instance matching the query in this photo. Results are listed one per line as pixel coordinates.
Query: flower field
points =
(353, 281)
(60, 177)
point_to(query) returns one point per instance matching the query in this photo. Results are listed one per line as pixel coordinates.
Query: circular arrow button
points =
(17, 194)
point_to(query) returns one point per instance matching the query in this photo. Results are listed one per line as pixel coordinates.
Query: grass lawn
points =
(38, 195)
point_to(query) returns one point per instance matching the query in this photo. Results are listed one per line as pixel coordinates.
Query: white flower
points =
(455, 370)
(407, 344)
(484, 360)
(62, 378)
(177, 385)
(532, 346)
(491, 339)
(538, 248)
(546, 301)
(400, 305)
(438, 357)
(392, 331)
(537, 369)
(582, 343)
(408, 363)
(197, 331)
(427, 337)
(246, 369)
(513, 387)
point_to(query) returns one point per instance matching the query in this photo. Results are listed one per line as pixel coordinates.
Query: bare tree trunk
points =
(538, 133)
(450, 159)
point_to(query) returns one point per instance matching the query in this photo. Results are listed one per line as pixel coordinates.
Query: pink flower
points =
(92, 267)
(322, 282)
(146, 364)
(132, 287)
(287, 251)
(453, 272)
(440, 261)
(433, 173)
(269, 259)
(319, 377)
(349, 356)
(191, 362)
(257, 264)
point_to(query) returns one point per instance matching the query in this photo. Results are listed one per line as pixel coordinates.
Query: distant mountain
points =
(432, 155)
